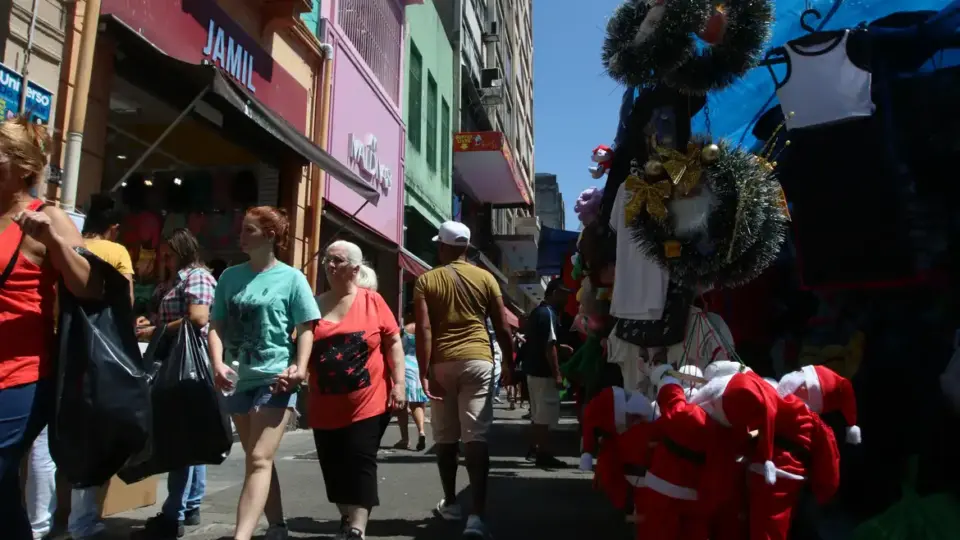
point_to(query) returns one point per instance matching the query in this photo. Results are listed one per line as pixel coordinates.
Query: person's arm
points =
(501, 328)
(551, 350)
(215, 343)
(199, 290)
(304, 345)
(54, 229)
(126, 268)
(393, 345)
(423, 333)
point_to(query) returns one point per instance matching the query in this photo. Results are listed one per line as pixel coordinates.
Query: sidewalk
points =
(525, 502)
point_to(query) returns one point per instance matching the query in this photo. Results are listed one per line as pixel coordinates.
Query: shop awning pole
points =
(78, 106)
(333, 238)
(143, 157)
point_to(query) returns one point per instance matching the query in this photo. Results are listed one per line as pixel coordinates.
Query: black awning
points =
(245, 117)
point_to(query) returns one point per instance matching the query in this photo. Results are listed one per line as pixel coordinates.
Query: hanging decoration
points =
(645, 196)
(726, 228)
(647, 39)
(653, 41)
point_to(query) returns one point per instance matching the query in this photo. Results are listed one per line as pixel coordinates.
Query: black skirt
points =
(348, 459)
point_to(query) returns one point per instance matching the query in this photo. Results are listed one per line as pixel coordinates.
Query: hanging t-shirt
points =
(640, 285)
(823, 85)
(348, 372)
(258, 312)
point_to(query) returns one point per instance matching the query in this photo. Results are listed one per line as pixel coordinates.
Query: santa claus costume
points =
(792, 447)
(824, 391)
(669, 501)
(605, 418)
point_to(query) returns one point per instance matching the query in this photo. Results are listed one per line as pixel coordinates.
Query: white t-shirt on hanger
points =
(640, 284)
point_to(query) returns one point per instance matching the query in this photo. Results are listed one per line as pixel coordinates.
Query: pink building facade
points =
(366, 129)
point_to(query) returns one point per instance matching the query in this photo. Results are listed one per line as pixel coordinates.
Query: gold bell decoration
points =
(652, 168)
(646, 196)
(710, 154)
(684, 169)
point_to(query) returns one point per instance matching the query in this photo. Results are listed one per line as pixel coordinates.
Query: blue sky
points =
(575, 104)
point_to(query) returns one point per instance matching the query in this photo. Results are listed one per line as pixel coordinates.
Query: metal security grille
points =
(375, 28)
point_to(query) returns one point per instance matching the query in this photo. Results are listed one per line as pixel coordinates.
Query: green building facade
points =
(430, 119)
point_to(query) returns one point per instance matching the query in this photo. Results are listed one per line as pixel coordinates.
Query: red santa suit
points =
(669, 501)
(824, 391)
(604, 418)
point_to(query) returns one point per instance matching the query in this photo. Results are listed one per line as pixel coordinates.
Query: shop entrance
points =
(192, 178)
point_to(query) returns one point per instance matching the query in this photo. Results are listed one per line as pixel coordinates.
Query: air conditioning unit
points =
(491, 96)
(491, 78)
(492, 33)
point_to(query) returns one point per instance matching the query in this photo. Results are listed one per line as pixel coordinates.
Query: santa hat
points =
(723, 368)
(744, 400)
(605, 413)
(826, 392)
(708, 337)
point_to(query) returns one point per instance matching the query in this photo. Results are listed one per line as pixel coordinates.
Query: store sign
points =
(39, 99)
(227, 53)
(478, 141)
(363, 153)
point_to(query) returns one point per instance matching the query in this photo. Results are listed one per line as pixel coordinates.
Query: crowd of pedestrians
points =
(268, 338)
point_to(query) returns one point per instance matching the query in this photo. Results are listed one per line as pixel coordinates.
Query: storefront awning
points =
(413, 266)
(487, 171)
(185, 85)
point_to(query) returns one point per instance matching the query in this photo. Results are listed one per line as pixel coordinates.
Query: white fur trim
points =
(778, 473)
(635, 481)
(790, 383)
(853, 435)
(723, 368)
(669, 489)
(586, 462)
(814, 390)
(710, 398)
(659, 373)
(638, 404)
(669, 380)
(619, 409)
(770, 472)
(771, 382)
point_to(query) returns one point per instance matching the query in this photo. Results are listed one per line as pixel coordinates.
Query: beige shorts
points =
(544, 401)
(466, 410)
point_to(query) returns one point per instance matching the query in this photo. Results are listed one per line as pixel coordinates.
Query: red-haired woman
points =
(257, 307)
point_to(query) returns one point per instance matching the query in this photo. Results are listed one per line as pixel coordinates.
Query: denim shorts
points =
(250, 400)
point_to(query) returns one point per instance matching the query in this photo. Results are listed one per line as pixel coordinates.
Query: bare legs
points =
(260, 434)
(417, 410)
(403, 421)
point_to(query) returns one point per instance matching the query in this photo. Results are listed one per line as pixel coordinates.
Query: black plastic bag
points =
(190, 425)
(102, 414)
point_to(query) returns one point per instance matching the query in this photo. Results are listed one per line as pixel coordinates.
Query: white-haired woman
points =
(357, 348)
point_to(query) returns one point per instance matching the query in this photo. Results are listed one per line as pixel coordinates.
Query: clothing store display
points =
(640, 288)
(629, 358)
(823, 85)
(665, 331)
(173, 221)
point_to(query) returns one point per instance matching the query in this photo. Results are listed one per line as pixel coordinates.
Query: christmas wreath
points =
(646, 39)
(739, 49)
(744, 225)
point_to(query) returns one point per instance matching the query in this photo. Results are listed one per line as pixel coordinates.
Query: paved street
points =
(525, 502)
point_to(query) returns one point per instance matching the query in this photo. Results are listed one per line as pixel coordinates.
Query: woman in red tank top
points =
(36, 249)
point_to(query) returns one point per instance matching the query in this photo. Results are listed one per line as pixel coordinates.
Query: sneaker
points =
(475, 528)
(421, 443)
(531, 454)
(402, 445)
(191, 518)
(513, 406)
(276, 532)
(448, 512)
(353, 534)
(497, 400)
(160, 527)
(546, 461)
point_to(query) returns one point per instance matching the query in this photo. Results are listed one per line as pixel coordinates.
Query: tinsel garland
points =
(718, 66)
(746, 227)
(636, 62)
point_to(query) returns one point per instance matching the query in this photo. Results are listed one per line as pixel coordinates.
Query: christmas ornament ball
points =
(653, 168)
(710, 154)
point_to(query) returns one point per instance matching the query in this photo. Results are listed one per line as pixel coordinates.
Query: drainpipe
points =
(318, 178)
(27, 53)
(78, 106)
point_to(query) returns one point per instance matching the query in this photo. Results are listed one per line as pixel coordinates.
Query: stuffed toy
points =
(669, 502)
(603, 157)
(604, 418)
(587, 206)
(824, 391)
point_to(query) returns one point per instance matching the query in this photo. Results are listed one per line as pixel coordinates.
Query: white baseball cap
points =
(453, 233)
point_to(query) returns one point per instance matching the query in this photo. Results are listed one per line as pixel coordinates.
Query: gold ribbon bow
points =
(645, 195)
(684, 169)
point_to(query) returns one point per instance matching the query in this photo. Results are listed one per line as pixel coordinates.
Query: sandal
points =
(421, 443)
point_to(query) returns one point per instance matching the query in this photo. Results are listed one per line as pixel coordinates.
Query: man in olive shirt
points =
(451, 305)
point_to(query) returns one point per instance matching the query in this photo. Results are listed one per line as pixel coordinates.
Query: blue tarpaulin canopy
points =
(554, 247)
(733, 111)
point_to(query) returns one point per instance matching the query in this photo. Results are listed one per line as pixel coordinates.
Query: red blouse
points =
(26, 313)
(348, 372)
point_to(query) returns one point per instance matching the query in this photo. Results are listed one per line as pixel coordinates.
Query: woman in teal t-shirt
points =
(256, 308)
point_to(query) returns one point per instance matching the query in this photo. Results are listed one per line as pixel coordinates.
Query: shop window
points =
(431, 122)
(446, 136)
(375, 27)
(415, 97)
